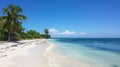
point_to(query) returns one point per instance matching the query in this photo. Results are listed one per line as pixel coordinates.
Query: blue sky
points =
(71, 18)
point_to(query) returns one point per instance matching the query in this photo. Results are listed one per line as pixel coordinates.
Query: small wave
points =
(48, 53)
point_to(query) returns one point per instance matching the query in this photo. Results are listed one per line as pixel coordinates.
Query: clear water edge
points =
(64, 54)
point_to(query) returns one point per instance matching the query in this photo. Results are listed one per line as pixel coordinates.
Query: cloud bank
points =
(55, 32)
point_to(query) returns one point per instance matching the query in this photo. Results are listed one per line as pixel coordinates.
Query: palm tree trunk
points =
(9, 36)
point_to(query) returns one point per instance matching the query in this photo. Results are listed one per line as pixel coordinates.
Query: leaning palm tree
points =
(11, 19)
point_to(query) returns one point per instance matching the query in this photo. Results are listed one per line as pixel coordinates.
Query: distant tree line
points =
(11, 25)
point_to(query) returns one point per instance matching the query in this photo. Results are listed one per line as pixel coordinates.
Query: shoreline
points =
(24, 53)
(47, 52)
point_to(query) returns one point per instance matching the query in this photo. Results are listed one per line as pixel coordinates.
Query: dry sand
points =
(26, 53)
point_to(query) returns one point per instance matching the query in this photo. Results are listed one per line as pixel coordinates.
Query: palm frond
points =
(3, 20)
(21, 17)
(19, 9)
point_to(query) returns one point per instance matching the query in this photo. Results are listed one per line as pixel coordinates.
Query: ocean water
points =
(84, 52)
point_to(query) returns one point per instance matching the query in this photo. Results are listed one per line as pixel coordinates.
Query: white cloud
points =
(53, 31)
(66, 32)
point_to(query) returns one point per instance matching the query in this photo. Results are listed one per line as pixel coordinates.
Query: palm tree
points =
(46, 33)
(11, 19)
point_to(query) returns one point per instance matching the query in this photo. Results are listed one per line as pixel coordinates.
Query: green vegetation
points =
(31, 34)
(11, 25)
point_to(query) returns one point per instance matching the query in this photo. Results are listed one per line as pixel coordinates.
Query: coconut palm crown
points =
(12, 19)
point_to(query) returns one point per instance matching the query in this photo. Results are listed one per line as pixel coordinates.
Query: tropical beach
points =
(59, 33)
(18, 45)
(56, 52)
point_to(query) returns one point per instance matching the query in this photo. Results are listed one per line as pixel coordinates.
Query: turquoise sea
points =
(84, 52)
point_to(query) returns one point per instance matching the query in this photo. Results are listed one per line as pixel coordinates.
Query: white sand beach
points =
(25, 53)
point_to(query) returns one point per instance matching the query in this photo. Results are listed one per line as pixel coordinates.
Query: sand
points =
(25, 53)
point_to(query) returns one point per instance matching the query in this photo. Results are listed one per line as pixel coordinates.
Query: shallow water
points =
(75, 52)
